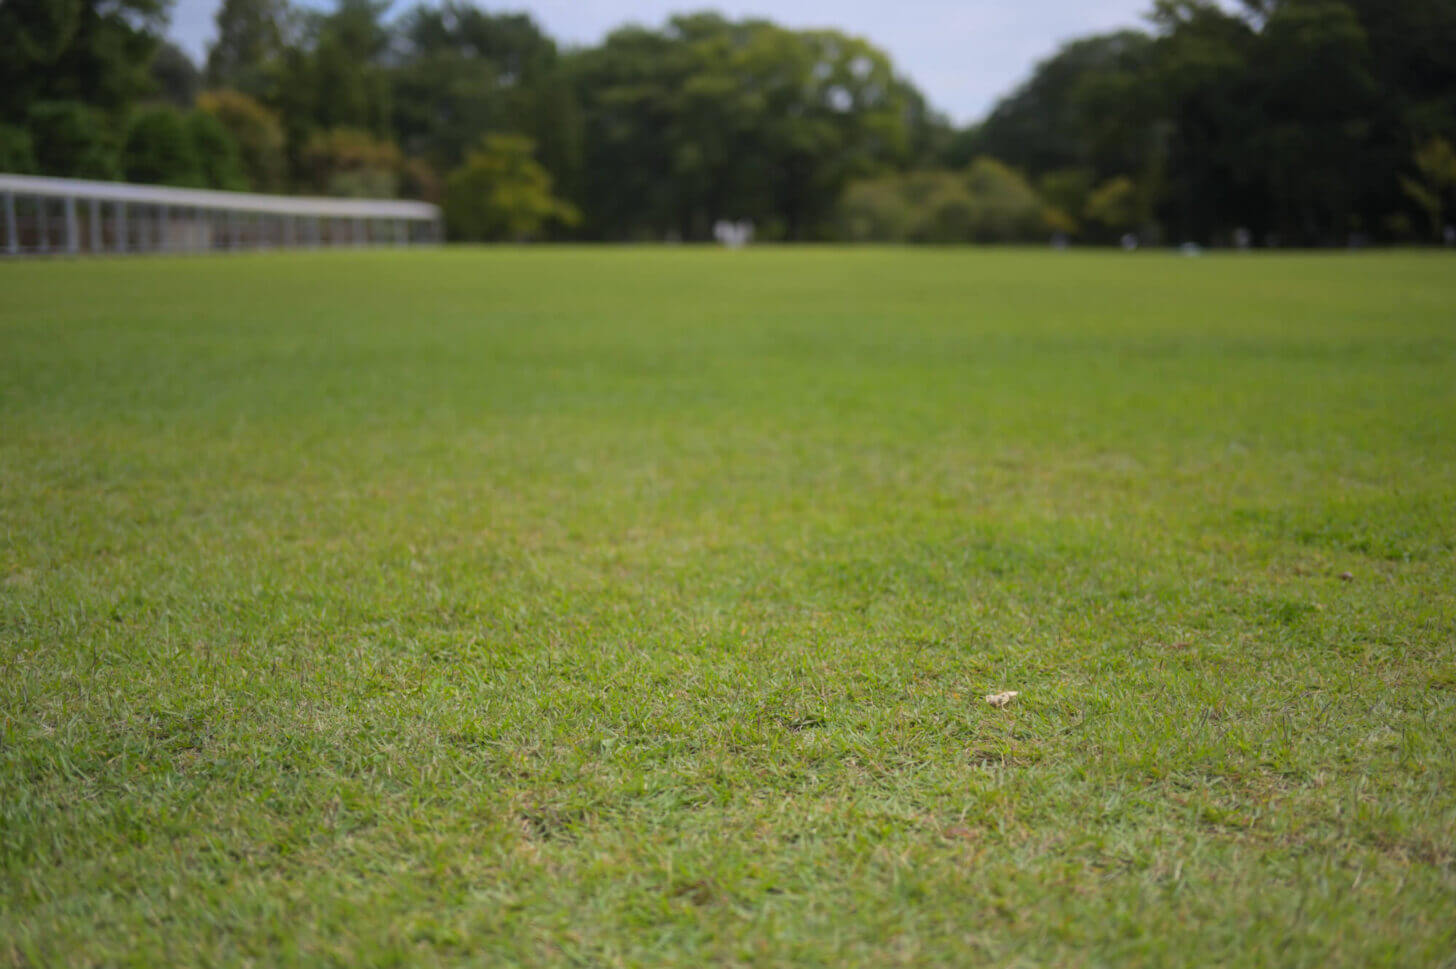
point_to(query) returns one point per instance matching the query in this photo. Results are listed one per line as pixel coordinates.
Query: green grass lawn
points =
(636, 607)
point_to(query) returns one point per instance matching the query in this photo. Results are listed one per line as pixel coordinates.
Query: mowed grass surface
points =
(635, 607)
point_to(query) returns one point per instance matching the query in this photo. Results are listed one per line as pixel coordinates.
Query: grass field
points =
(636, 607)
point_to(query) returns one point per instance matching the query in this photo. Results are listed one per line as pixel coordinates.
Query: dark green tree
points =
(95, 52)
(710, 119)
(71, 139)
(159, 149)
(1084, 107)
(218, 160)
(347, 80)
(165, 146)
(250, 39)
(17, 150)
(175, 78)
(463, 72)
(1313, 105)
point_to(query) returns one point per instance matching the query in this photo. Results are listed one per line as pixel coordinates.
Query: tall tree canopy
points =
(1311, 122)
(1293, 119)
(96, 52)
(250, 38)
(461, 71)
(710, 118)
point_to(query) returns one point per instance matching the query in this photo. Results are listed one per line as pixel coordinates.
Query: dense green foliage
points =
(987, 203)
(165, 146)
(1283, 121)
(17, 150)
(97, 52)
(256, 133)
(710, 119)
(175, 79)
(1296, 120)
(636, 606)
(73, 139)
(502, 194)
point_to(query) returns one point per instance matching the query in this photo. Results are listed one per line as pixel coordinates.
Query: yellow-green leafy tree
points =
(353, 163)
(1113, 205)
(1436, 162)
(255, 130)
(501, 193)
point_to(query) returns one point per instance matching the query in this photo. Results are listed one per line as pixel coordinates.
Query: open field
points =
(635, 607)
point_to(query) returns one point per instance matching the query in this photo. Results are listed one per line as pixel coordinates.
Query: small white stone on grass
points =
(1001, 699)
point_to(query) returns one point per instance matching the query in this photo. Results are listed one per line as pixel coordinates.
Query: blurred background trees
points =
(1300, 122)
(711, 119)
(501, 193)
(1294, 121)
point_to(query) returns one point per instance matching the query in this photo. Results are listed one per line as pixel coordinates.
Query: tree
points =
(1411, 51)
(419, 180)
(1113, 205)
(1411, 48)
(1314, 97)
(17, 151)
(72, 140)
(353, 163)
(349, 87)
(1084, 107)
(1295, 119)
(250, 36)
(710, 119)
(165, 146)
(1065, 192)
(255, 132)
(988, 202)
(93, 52)
(887, 208)
(502, 193)
(1005, 206)
(218, 161)
(174, 75)
(159, 151)
(1435, 164)
(463, 71)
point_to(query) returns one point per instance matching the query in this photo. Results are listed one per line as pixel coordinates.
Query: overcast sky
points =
(962, 53)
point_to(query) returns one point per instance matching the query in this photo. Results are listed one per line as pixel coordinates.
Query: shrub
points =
(1006, 207)
(989, 202)
(217, 153)
(72, 140)
(17, 150)
(159, 150)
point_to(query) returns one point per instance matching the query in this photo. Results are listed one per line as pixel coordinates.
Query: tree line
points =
(1292, 122)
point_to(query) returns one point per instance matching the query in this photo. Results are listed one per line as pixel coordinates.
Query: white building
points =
(64, 215)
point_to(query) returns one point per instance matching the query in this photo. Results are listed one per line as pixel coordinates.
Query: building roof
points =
(38, 185)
